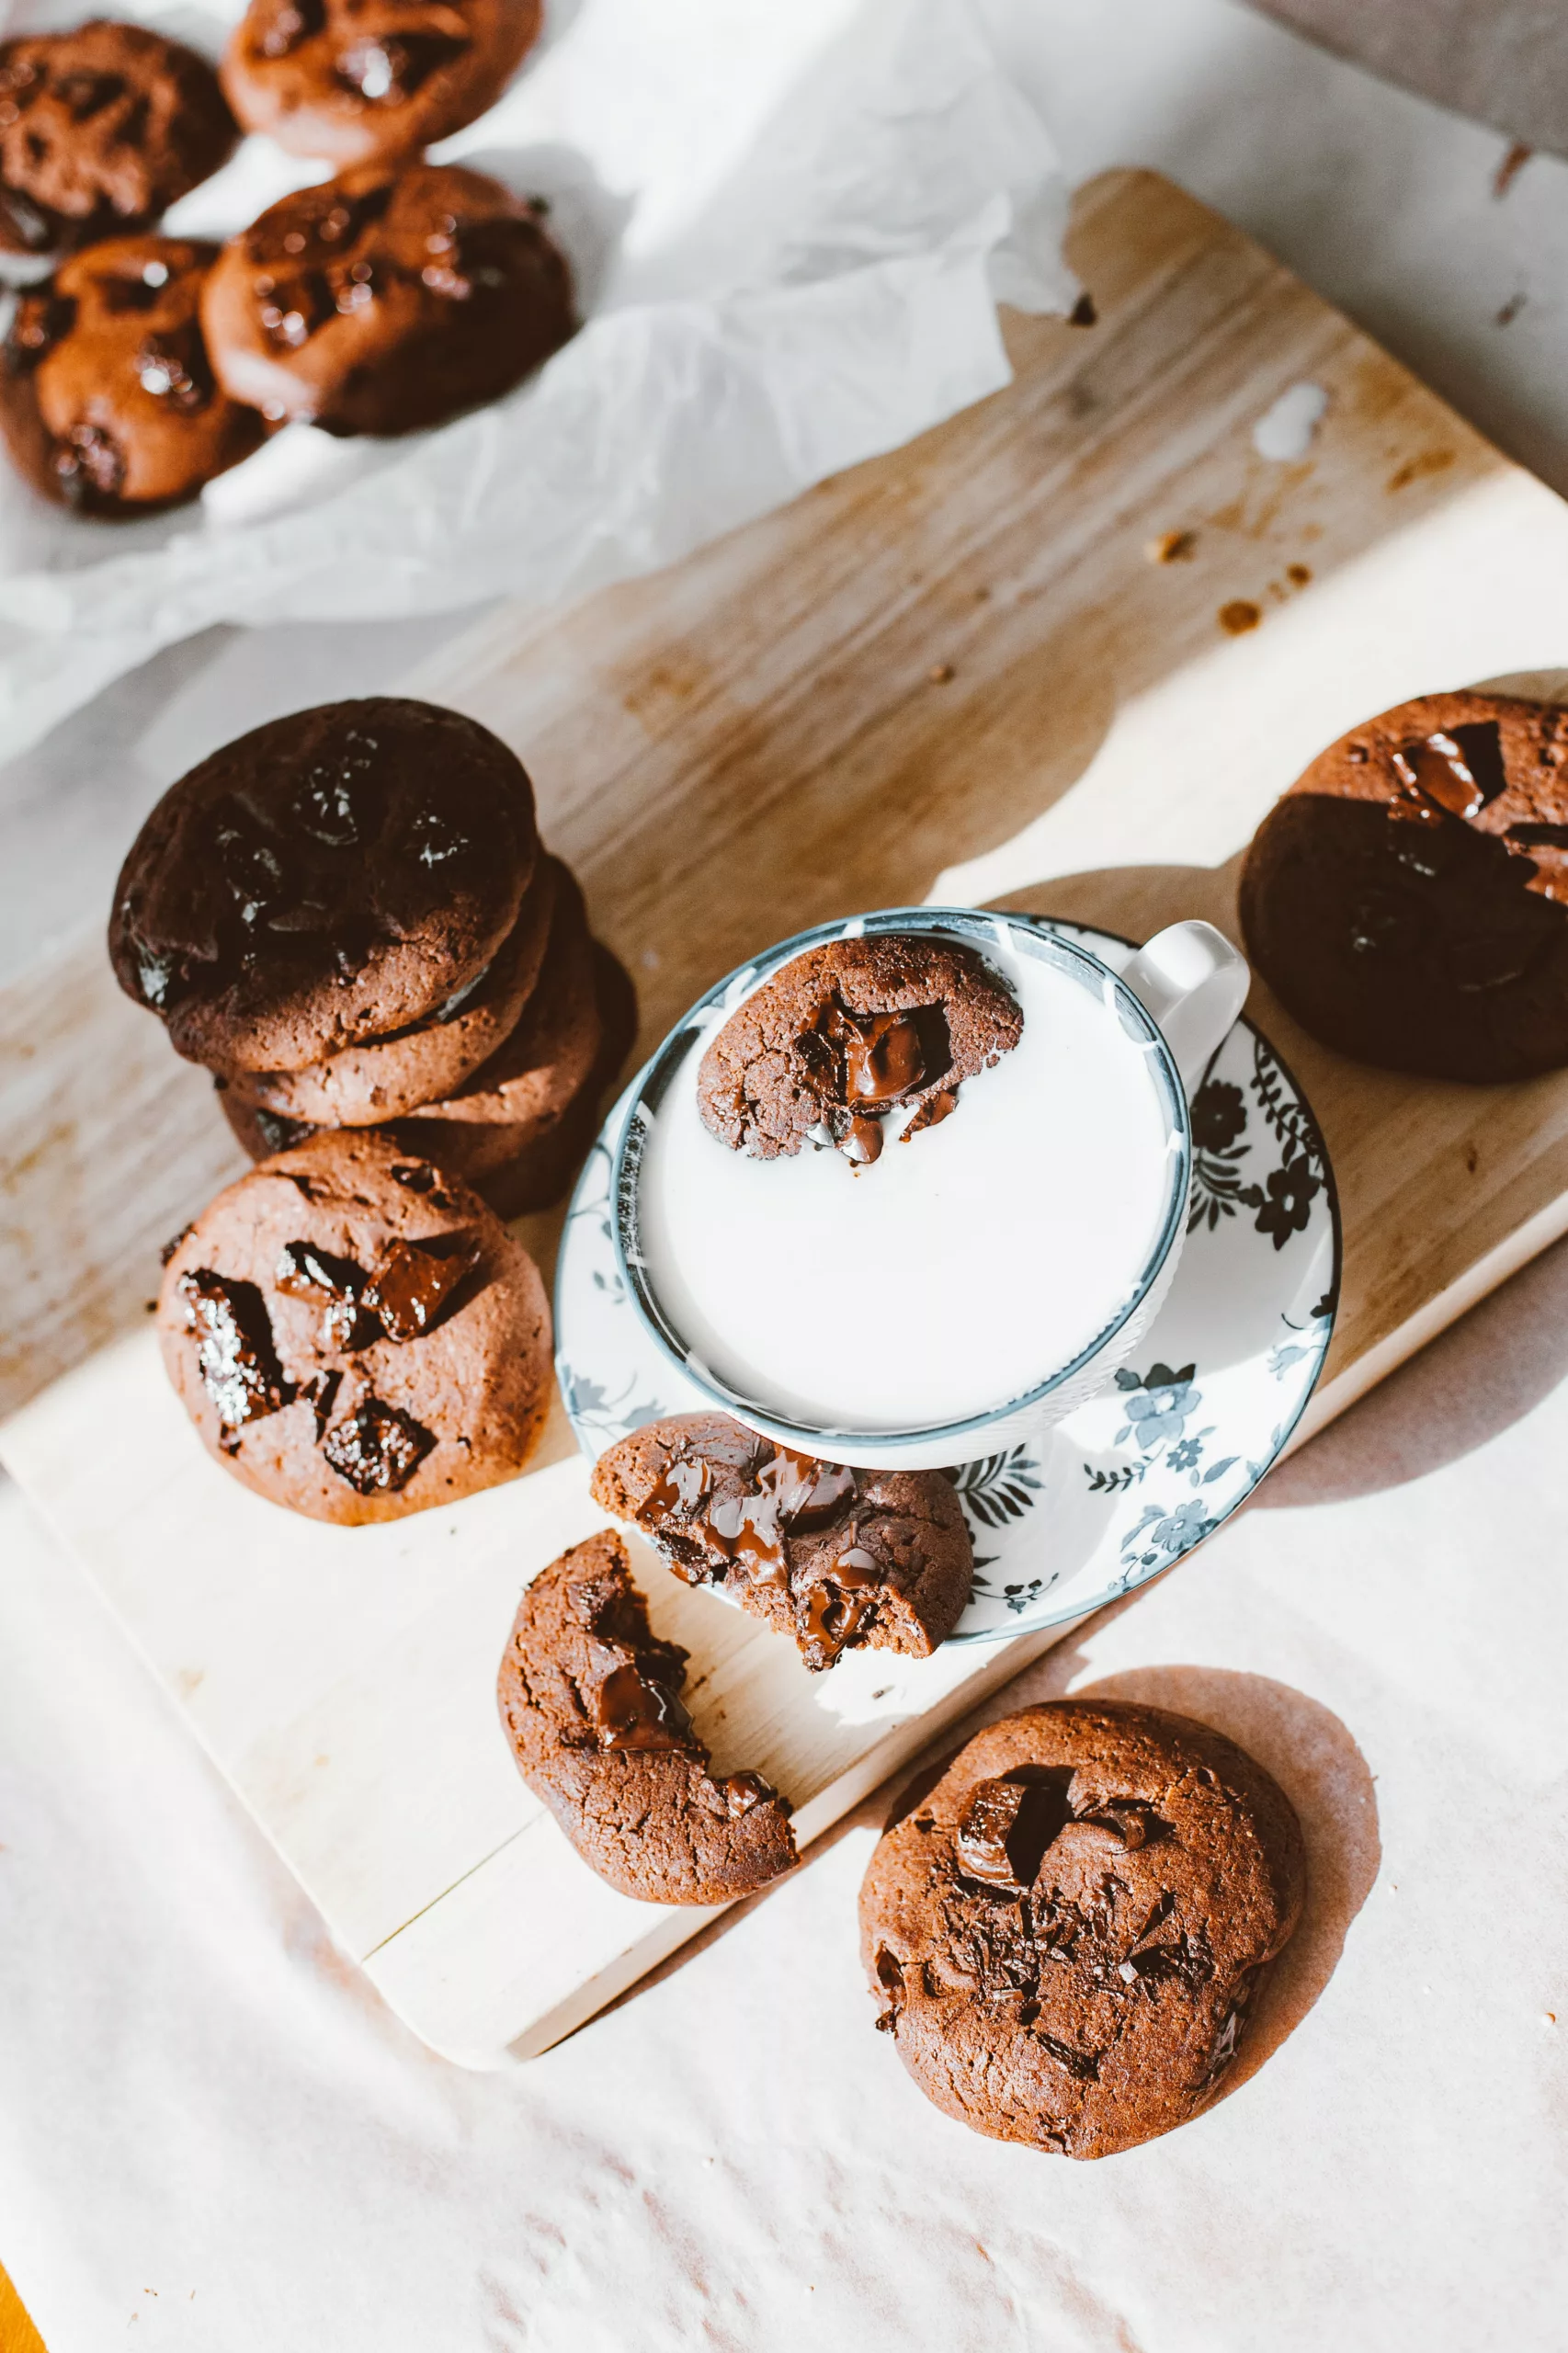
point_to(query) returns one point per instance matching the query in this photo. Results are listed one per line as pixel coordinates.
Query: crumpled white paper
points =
(790, 227)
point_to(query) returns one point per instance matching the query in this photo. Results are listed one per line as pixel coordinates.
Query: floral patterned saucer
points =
(1128, 1484)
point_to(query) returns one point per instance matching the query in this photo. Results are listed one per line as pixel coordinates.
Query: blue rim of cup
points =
(970, 925)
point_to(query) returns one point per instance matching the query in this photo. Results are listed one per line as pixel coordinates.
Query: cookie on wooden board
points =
(839, 1558)
(1069, 1932)
(590, 1701)
(387, 300)
(384, 1078)
(530, 1162)
(101, 130)
(354, 1334)
(107, 400)
(844, 1033)
(516, 1165)
(1408, 900)
(353, 80)
(327, 877)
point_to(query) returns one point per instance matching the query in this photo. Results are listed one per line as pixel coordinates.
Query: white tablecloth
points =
(213, 2137)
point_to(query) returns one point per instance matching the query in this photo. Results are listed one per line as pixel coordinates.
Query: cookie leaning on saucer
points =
(101, 130)
(326, 879)
(107, 400)
(590, 1701)
(1067, 1935)
(837, 1559)
(1408, 900)
(387, 300)
(354, 1334)
(350, 80)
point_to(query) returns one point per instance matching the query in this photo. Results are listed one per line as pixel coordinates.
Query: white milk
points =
(958, 1271)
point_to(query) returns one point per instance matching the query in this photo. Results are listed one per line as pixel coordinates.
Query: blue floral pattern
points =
(1281, 1198)
(1131, 1482)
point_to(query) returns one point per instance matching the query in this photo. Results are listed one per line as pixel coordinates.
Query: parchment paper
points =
(791, 228)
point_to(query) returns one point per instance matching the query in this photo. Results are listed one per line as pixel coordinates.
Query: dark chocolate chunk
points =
(845, 1034)
(414, 1281)
(336, 1285)
(1009, 1823)
(633, 1708)
(377, 1448)
(233, 1346)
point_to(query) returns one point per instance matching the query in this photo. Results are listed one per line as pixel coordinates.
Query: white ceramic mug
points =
(1178, 997)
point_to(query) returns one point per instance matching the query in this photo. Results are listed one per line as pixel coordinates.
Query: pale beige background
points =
(211, 2137)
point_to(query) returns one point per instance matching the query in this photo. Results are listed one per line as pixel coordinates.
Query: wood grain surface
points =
(1062, 652)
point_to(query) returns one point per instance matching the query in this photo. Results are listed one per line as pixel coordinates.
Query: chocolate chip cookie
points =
(847, 1033)
(354, 1334)
(590, 1701)
(539, 1067)
(527, 1163)
(101, 130)
(384, 302)
(353, 80)
(841, 1560)
(330, 877)
(385, 1077)
(107, 401)
(1068, 1934)
(517, 1167)
(1408, 900)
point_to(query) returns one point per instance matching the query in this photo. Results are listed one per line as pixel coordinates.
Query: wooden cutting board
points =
(1064, 651)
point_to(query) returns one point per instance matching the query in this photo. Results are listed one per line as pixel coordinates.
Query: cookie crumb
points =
(1512, 165)
(1239, 616)
(939, 673)
(1083, 313)
(1173, 547)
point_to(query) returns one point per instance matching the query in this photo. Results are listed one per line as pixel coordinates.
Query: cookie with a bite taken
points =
(847, 1033)
(590, 1701)
(837, 1559)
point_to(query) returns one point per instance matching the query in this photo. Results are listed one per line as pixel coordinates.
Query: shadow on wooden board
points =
(827, 709)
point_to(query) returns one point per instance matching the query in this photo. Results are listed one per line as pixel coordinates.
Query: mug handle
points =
(1193, 984)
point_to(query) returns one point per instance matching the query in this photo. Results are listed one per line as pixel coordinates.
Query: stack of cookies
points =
(388, 299)
(349, 917)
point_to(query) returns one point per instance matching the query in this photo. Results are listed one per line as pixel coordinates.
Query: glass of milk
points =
(980, 1279)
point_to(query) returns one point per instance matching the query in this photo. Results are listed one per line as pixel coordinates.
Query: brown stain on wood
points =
(752, 741)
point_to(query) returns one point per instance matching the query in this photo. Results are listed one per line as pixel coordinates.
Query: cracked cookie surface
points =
(590, 1701)
(836, 1558)
(848, 1033)
(1067, 1934)
(1408, 900)
(354, 1334)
